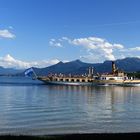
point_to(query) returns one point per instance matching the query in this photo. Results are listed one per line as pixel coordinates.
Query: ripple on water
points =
(42, 109)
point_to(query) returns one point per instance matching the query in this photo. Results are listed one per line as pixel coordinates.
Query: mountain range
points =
(78, 67)
(10, 71)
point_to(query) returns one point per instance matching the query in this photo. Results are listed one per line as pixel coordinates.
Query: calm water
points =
(30, 107)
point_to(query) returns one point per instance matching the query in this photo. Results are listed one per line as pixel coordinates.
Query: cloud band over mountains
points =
(9, 62)
(97, 49)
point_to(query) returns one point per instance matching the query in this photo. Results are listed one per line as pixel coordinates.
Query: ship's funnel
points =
(113, 67)
(90, 71)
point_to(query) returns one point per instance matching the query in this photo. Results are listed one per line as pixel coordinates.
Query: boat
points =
(115, 77)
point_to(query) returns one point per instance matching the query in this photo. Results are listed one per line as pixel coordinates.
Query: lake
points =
(29, 107)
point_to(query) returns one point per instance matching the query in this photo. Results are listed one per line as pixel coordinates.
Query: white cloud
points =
(66, 39)
(91, 57)
(97, 49)
(93, 45)
(118, 46)
(9, 62)
(6, 34)
(130, 52)
(54, 43)
(135, 49)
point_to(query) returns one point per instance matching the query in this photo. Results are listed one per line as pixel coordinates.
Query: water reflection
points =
(112, 94)
(43, 109)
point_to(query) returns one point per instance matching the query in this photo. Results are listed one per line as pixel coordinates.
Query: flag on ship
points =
(29, 71)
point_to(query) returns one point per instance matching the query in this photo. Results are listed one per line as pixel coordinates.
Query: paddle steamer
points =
(115, 77)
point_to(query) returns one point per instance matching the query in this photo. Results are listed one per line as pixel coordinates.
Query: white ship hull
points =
(66, 83)
(94, 83)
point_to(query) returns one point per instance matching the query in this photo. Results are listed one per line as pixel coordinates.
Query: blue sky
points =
(44, 32)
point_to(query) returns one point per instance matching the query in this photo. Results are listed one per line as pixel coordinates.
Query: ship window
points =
(61, 79)
(72, 80)
(111, 79)
(78, 80)
(97, 78)
(83, 80)
(67, 80)
(104, 78)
